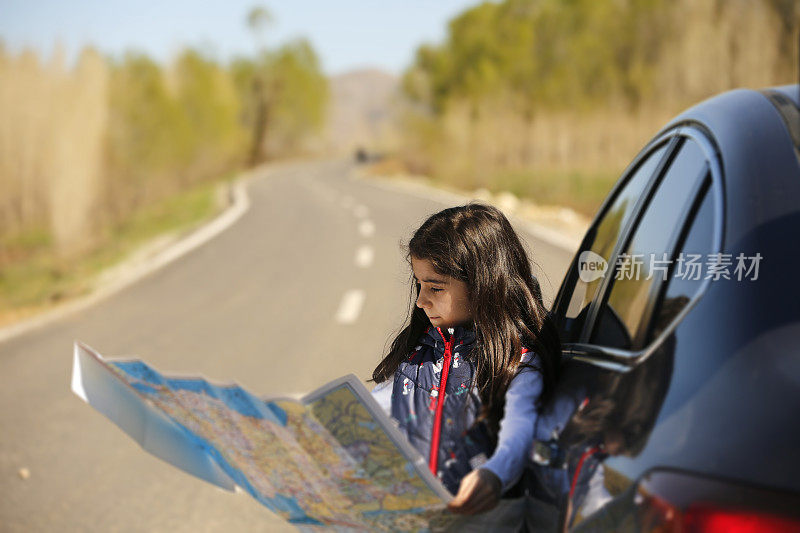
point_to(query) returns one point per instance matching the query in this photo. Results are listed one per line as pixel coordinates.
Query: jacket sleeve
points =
(516, 427)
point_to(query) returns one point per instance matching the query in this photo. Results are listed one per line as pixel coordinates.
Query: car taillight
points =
(676, 502)
(710, 520)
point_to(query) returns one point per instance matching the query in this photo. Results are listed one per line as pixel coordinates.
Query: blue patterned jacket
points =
(435, 404)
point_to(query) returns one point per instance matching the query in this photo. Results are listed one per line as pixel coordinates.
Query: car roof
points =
(760, 161)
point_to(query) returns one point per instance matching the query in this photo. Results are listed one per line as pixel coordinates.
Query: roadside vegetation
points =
(39, 277)
(100, 156)
(550, 99)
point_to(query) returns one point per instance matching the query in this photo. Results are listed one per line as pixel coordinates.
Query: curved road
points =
(308, 285)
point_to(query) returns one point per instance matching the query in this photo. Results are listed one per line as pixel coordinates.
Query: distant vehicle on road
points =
(680, 316)
(361, 155)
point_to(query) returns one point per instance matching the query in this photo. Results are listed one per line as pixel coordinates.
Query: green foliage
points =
(208, 100)
(148, 131)
(536, 88)
(196, 120)
(301, 93)
(549, 53)
(285, 97)
(167, 130)
(258, 18)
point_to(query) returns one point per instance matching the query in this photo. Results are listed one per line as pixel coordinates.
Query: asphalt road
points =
(261, 304)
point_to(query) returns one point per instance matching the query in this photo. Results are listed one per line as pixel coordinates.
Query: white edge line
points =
(241, 204)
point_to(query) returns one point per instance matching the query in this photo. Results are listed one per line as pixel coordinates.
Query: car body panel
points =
(717, 394)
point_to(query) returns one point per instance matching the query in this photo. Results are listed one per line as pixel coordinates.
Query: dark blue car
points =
(679, 407)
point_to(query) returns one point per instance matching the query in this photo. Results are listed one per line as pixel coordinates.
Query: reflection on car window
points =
(684, 281)
(644, 262)
(607, 234)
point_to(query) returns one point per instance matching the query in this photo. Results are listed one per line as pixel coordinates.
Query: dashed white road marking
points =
(364, 256)
(350, 308)
(366, 228)
(361, 211)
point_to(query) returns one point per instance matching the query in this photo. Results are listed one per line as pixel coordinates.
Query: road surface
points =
(308, 285)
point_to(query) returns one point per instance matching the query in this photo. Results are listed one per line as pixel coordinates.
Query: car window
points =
(686, 275)
(608, 231)
(643, 262)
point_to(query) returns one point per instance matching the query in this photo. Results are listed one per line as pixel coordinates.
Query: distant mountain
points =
(361, 111)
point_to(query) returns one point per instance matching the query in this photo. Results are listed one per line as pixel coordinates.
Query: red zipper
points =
(440, 391)
(586, 454)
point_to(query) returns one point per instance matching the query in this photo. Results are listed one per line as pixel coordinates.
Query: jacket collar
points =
(463, 336)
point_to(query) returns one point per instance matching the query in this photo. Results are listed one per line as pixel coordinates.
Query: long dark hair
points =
(476, 244)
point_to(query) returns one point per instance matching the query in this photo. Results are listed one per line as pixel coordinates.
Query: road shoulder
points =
(557, 226)
(146, 259)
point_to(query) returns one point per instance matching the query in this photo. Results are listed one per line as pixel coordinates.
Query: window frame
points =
(562, 300)
(709, 181)
(703, 186)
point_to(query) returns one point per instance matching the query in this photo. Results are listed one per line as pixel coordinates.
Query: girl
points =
(465, 376)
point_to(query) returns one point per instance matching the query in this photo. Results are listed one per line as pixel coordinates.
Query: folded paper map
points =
(332, 458)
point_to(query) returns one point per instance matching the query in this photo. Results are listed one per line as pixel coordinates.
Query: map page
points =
(331, 460)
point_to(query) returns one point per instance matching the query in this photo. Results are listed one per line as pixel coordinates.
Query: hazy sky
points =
(347, 34)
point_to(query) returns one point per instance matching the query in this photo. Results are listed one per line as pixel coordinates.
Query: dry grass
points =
(51, 140)
(87, 174)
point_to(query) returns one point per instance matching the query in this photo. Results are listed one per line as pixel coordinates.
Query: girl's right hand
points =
(478, 492)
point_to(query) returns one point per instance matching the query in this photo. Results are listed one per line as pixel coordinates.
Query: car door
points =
(621, 298)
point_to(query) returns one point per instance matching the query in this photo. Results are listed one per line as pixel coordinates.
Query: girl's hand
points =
(479, 491)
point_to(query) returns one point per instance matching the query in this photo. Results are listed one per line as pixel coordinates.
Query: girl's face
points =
(444, 299)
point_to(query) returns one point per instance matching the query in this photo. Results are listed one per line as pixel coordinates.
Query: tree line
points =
(84, 147)
(553, 87)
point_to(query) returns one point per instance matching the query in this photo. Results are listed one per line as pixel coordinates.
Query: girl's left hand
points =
(479, 491)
